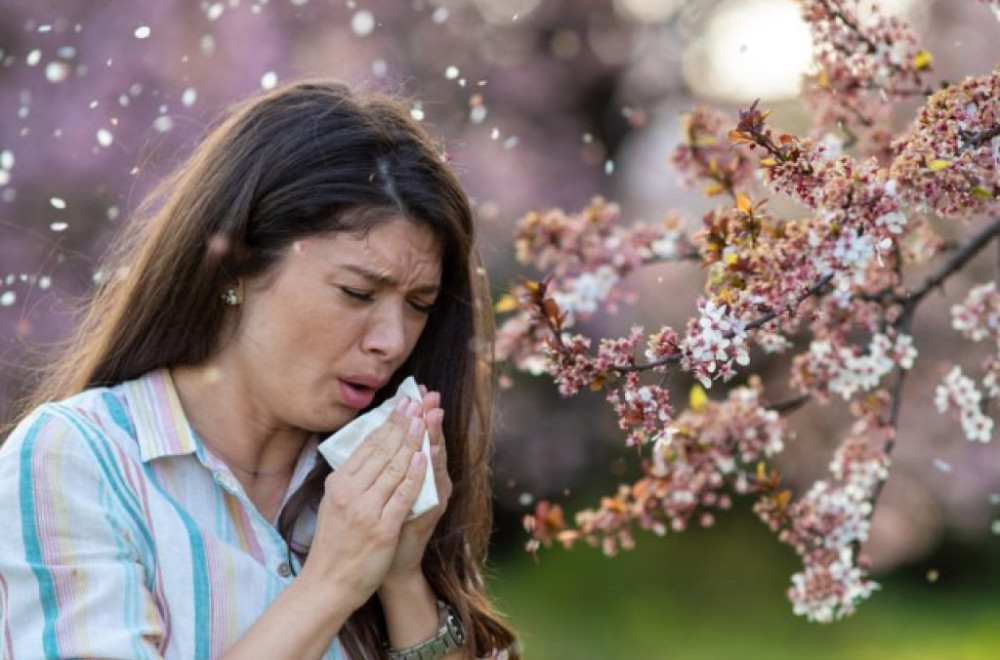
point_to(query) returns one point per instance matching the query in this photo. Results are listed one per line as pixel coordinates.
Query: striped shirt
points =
(121, 536)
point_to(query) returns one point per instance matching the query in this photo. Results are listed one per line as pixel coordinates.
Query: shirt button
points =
(284, 570)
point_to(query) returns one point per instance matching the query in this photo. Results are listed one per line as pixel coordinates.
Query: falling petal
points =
(8, 298)
(189, 96)
(104, 137)
(163, 124)
(58, 226)
(56, 72)
(269, 80)
(142, 32)
(57, 203)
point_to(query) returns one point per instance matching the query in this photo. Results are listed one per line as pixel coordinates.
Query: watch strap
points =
(449, 637)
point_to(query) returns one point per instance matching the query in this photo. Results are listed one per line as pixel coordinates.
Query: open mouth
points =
(356, 395)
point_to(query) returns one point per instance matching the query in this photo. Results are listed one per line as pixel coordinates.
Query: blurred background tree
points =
(540, 103)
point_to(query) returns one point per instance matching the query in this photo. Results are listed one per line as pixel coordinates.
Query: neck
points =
(223, 415)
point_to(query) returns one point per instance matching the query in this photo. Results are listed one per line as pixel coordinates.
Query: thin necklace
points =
(253, 473)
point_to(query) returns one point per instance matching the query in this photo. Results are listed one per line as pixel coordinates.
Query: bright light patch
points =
(505, 13)
(362, 23)
(647, 11)
(750, 49)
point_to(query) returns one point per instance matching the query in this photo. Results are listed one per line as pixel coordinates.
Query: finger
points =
(388, 479)
(387, 441)
(375, 440)
(400, 502)
(435, 420)
(430, 401)
(439, 449)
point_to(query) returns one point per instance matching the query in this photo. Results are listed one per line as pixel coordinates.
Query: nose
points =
(385, 334)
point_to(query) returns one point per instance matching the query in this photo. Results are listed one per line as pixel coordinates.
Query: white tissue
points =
(338, 447)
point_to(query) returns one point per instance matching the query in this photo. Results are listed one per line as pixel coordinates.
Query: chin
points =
(334, 420)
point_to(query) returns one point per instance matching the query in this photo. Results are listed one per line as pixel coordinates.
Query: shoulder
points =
(83, 430)
(69, 464)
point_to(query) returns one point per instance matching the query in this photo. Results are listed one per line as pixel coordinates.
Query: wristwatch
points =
(449, 637)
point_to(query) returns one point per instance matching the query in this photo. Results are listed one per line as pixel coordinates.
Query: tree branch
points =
(965, 253)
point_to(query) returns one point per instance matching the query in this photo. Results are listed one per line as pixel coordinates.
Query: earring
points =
(230, 297)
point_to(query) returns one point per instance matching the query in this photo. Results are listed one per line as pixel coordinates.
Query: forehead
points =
(398, 250)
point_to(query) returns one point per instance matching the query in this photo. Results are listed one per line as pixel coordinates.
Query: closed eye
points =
(357, 294)
(423, 308)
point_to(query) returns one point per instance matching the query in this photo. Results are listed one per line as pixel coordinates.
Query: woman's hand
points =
(364, 506)
(417, 532)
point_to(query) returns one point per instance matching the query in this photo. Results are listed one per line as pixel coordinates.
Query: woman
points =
(312, 253)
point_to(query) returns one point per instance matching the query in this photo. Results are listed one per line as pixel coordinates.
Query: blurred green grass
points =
(720, 593)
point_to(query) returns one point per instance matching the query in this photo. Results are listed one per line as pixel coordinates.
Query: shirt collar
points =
(160, 425)
(162, 429)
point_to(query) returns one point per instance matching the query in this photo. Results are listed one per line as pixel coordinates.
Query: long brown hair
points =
(307, 159)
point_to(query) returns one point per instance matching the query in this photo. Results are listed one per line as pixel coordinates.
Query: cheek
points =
(414, 331)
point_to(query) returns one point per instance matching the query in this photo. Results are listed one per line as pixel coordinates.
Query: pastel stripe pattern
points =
(123, 537)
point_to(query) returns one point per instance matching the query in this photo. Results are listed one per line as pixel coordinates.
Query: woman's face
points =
(322, 333)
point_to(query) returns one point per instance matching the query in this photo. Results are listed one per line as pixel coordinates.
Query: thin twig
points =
(956, 262)
(768, 316)
(905, 321)
(790, 405)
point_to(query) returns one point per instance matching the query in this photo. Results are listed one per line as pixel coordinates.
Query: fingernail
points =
(413, 408)
(418, 458)
(402, 404)
(435, 450)
(416, 426)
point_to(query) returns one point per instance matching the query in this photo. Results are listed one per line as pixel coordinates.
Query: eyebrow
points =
(386, 280)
